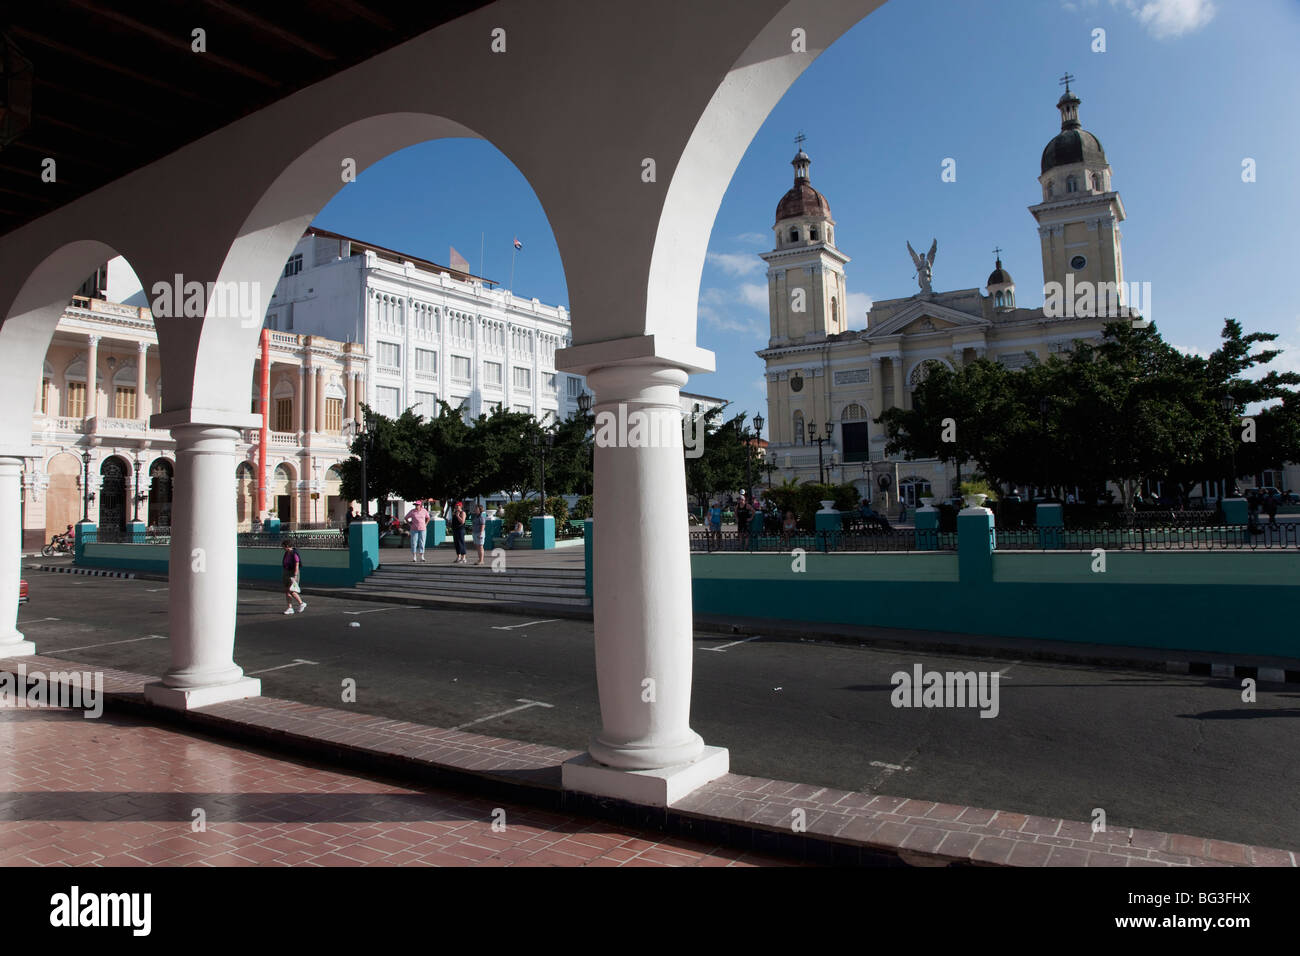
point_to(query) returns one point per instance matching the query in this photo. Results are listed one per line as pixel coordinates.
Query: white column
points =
(12, 642)
(141, 365)
(641, 590)
(92, 375)
(201, 596)
(309, 399)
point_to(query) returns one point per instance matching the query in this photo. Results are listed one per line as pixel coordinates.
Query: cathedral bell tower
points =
(1079, 217)
(805, 272)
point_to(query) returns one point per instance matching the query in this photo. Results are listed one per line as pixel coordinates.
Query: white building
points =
(431, 332)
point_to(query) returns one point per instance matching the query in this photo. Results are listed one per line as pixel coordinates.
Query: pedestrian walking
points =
(1270, 509)
(478, 527)
(417, 519)
(458, 531)
(744, 518)
(290, 577)
(715, 523)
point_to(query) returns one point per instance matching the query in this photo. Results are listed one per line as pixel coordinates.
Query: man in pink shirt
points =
(418, 520)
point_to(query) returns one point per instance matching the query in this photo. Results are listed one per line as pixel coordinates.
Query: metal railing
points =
(1143, 538)
(329, 541)
(710, 542)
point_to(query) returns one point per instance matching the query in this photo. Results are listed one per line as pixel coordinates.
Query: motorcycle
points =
(59, 544)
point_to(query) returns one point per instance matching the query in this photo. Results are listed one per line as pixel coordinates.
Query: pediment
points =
(923, 317)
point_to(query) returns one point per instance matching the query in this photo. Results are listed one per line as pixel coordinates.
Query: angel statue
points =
(924, 265)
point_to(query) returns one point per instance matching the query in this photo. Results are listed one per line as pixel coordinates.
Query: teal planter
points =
(927, 529)
(543, 533)
(589, 548)
(1051, 524)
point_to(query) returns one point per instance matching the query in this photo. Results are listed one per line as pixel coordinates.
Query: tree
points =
(721, 464)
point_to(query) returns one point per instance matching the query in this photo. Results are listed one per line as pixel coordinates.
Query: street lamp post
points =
(1230, 406)
(353, 430)
(749, 454)
(85, 487)
(135, 500)
(584, 406)
(541, 443)
(1042, 454)
(812, 437)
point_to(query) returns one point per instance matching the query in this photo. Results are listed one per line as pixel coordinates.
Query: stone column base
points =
(190, 698)
(17, 649)
(653, 788)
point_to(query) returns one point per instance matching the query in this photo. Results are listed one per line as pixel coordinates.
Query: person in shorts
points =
(478, 526)
(290, 578)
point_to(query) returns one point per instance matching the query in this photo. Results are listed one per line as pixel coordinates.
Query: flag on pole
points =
(518, 244)
(458, 261)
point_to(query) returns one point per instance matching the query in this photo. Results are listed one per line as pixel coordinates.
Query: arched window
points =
(1051, 188)
(853, 413)
(794, 235)
(799, 436)
(922, 371)
(835, 309)
(812, 233)
(1071, 184)
(998, 299)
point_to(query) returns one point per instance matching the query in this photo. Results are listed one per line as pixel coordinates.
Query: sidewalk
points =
(123, 790)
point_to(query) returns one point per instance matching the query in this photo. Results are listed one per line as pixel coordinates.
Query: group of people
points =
(418, 518)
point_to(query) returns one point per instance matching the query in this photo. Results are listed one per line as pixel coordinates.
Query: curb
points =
(92, 572)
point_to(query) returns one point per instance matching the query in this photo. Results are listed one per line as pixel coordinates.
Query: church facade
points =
(827, 381)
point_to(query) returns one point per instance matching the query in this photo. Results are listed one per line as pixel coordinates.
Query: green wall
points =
(1224, 601)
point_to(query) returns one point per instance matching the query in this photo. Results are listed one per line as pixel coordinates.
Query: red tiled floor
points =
(119, 792)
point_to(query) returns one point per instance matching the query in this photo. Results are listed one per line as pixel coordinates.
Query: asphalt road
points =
(1164, 752)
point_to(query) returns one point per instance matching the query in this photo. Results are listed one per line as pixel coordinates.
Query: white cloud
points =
(755, 238)
(1167, 19)
(1191, 350)
(856, 307)
(755, 294)
(736, 263)
(714, 311)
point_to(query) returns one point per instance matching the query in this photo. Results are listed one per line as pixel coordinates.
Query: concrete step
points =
(469, 571)
(482, 594)
(489, 589)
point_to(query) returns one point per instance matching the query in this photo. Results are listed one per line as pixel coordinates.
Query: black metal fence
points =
(710, 542)
(333, 541)
(1143, 538)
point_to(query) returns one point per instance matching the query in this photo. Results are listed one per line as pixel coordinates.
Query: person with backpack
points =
(290, 577)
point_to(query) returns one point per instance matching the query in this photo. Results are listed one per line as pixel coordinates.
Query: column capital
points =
(142, 347)
(93, 340)
(653, 350)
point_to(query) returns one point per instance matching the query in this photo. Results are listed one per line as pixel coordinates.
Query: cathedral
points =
(827, 382)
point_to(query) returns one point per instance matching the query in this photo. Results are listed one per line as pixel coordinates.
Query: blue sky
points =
(1184, 92)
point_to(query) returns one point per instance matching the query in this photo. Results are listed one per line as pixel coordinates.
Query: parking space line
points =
(39, 620)
(297, 661)
(375, 610)
(511, 627)
(723, 647)
(524, 705)
(86, 647)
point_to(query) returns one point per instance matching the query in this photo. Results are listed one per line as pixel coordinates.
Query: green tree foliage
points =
(1128, 409)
